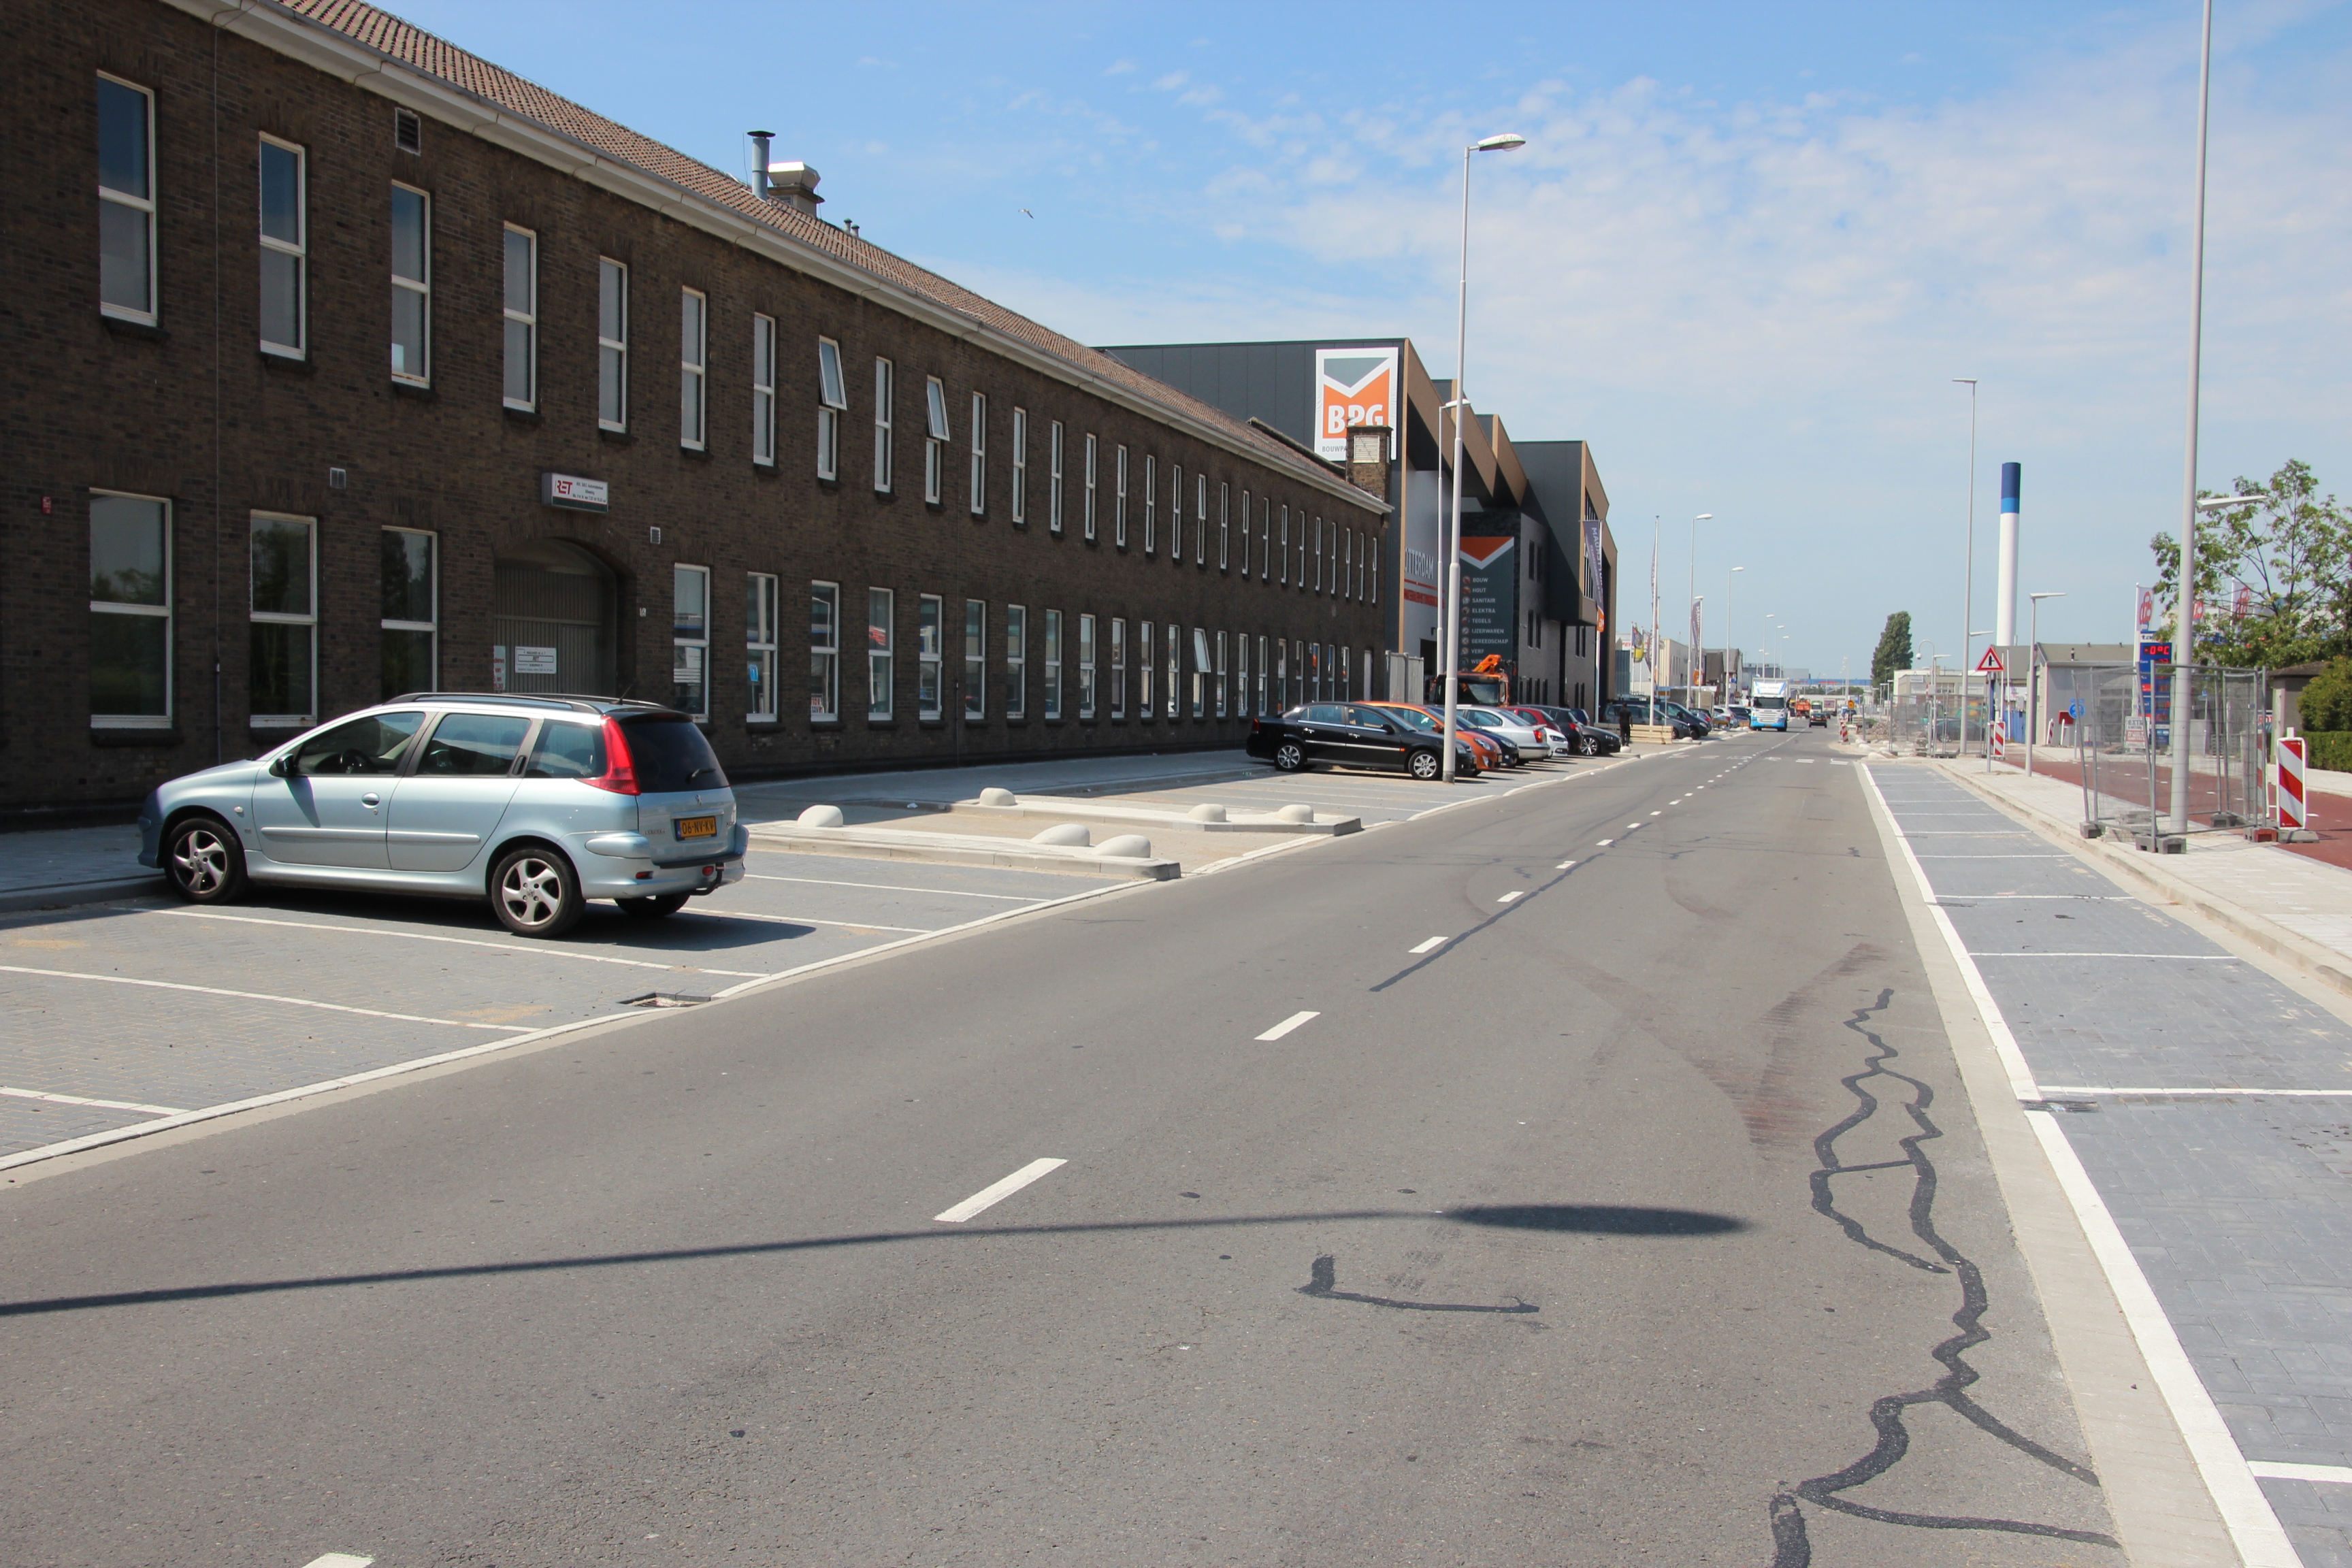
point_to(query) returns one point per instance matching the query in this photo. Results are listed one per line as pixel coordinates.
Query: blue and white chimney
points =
(2004, 620)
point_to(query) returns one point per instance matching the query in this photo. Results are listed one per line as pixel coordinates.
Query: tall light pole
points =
(1969, 573)
(1730, 695)
(1502, 143)
(2032, 673)
(2184, 630)
(1698, 630)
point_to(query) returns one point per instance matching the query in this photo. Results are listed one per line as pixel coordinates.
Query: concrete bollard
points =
(1294, 813)
(998, 797)
(1127, 846)
(1063, 833)
(821, 816)
(1207, 811)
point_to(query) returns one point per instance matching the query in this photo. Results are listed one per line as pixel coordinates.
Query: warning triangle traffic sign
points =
(1990, 663)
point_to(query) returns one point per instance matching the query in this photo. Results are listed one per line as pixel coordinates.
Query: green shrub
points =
(2330, 748)
(2327, 702)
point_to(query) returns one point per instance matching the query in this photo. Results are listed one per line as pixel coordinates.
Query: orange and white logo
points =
(1353, 387)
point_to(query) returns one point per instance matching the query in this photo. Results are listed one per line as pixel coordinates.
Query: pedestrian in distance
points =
(1624, 725)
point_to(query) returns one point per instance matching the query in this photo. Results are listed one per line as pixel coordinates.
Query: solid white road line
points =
(95, 1104)
(2272, 1469)
(807, 920)
(264, 997)
(2049, 1089)
(1963, 900)
(2245, 1512)
(997, 1191)
(2183, 957)
(1431, 945)
(1288, 1024)
(887, 887)
(1508, 898)
(1996, 857)
(538, 950)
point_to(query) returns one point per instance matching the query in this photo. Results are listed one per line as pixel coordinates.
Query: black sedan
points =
(1350, 734)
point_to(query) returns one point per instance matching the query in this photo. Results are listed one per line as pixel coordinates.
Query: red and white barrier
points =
(2293, 753)
(1999, 739)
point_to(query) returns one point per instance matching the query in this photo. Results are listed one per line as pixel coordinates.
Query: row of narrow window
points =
(1342, 562)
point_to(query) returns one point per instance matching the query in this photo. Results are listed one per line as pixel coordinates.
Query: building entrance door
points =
(554, 619)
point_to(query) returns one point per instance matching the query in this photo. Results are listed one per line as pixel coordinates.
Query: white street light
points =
(1503, 143)
(1729, 693)
(2033, 673)
(1698, 632)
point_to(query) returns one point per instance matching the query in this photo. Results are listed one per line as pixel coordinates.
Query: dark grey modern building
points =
(1538, 562)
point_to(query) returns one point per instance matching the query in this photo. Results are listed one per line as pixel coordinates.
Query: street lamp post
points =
(2033, 674)
(1730, 694)
(1969, 575)
(1698, 618)
(1501, 143)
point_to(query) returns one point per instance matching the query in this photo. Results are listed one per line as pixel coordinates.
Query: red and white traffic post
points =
(2294, 753)
(1996, 726)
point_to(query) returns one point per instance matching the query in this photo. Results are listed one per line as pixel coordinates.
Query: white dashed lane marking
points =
(997, 1191)
(1288, 1024)
(1508, 898)
(1431, 945)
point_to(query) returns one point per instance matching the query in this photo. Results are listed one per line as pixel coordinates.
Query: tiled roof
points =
(413, 46)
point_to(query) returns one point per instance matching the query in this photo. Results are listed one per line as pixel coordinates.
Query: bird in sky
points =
(1027, 214)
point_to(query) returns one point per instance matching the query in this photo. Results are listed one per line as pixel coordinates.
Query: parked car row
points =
(1409, 737)
(1687, 723)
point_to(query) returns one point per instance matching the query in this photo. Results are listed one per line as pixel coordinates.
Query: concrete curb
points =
(65, 894)
(2322, 963)
(944, 849)
(1058, 809)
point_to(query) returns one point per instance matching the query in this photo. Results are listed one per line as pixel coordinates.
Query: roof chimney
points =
(794, 185)
(759, 140)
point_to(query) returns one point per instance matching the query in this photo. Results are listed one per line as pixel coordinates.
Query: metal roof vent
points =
(794, 185)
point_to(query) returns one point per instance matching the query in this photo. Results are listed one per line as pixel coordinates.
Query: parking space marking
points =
(2049, 1089)
(1431, 945)
(997, 1191)
(94, 1104)
(1288, 1024)
(2272, 1470)
(884, 886)
(1510, 898)
(535, 950)
(805, 920)
(262, 996)
(2181, 957)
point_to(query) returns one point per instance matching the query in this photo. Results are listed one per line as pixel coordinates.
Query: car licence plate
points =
(696, 826)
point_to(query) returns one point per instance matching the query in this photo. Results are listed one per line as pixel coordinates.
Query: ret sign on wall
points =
(1352, 386)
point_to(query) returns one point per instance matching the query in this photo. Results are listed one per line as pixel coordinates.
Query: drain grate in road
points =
(664, 999)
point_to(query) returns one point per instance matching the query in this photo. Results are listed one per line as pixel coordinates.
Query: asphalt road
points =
(1521, 1249)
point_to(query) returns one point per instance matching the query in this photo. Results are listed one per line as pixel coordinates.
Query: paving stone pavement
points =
(2238, 1206)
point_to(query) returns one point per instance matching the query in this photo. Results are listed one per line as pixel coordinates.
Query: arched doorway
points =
(553, 617)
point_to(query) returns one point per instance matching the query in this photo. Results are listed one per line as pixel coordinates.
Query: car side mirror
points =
(284, 767)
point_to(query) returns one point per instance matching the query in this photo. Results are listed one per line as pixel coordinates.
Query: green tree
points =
(1894, 651)
(2327, 702)
(2273, 579)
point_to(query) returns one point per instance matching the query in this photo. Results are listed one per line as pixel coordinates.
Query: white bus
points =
(1768, 706)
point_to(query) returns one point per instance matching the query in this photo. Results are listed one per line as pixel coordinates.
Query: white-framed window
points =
(979, 454)
(1053, 687)
(824, 651)
(764, 390)
(1200, 519)
(1348, 563)
(1225, 525)
(130, 610)
(760, 603)
(693, 365)
(1150, 499)
(1175, 513)
(930, 642)
(1261, 667)
(1243, 706)
(1318, 555)
(126, 200)
(1286, 546)
(832, 403)
(283, 663)
(881, 654)
(883, 411)
(1221, 675)
(1118, 497)
(1054, 479)
(411, 286)
(975, 660)
(689, 620)
(935, 440)
(1302, 552)
(285, 249)
(1174, 648)
(1145, 709)
(1201, 659)
(1118, 668)
(612, 344)
(1016, 662)
(1089, 514)
(1264, 537)
(410, 621)
(518, 304)
(1245, 533)
(1085, 667)
(1020, 463)
(1374, 593)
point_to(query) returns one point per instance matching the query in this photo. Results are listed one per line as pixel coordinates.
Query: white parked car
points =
(1532, 741)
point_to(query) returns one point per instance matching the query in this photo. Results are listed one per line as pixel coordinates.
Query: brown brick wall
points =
(193, 411)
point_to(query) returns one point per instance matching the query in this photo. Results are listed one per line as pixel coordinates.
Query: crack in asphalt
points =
(1324, 1276)
(1792, 1547)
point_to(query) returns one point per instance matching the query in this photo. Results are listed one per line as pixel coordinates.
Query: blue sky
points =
(1744, 254)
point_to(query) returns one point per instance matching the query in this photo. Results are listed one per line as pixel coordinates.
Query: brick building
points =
(345, 363)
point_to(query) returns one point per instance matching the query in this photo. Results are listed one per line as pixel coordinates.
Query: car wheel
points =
(1587, 746)
(654, 906)
(1290, 757)
(204, 861)
(535, 892)
(1424, 765)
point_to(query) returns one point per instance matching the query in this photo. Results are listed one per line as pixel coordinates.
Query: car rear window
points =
(567, 751)
(671, 757)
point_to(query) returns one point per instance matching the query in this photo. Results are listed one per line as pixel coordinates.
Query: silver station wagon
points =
(538, 803)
